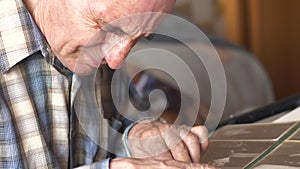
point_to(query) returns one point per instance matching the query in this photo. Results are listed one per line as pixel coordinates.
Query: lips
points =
(103, 62)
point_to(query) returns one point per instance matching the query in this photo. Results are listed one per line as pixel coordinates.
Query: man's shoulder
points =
(20, 37)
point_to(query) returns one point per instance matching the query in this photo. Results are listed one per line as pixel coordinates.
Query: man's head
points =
(82, 34)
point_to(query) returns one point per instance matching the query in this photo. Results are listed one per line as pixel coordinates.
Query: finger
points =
(164, 153)
(202, 134)
(204, 147)
(192, 143)
(203, 166)
(178, 164)
(178, 149)
(117, 163)
(181, 153)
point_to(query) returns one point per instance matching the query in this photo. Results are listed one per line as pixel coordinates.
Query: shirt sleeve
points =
(127, 130)
(104, 164)
(126, 134)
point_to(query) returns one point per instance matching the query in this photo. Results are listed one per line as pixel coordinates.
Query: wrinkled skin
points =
(69, 25)
(79, 36)
(165, 141)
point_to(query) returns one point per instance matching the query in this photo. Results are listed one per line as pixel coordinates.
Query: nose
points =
(117, 54)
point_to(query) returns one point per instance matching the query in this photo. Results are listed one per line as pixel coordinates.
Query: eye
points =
(115, 30)
(149, 36)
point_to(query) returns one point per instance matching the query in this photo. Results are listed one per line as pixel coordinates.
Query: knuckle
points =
(150, 133)
(191, 139)
(181, 145)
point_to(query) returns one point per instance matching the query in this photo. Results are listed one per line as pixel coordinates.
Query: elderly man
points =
(41, 44)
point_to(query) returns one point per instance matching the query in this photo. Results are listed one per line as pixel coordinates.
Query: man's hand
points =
(129, 163)
(153, 139)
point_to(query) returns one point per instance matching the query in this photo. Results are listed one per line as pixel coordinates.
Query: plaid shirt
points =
(38, 125)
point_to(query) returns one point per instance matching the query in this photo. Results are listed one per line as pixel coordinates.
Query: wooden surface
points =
(271, 30)
(236, 22)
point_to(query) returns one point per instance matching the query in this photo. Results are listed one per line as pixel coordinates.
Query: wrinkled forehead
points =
(135, 25)
(114, 9)
(134, 17)
(154, 5)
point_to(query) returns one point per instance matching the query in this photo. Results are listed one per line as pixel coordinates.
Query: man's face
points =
(84, 34)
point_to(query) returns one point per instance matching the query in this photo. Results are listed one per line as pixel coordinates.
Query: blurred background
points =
(269, 29)
(257, 42)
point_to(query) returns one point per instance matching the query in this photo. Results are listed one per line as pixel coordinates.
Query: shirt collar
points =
(19, 35)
